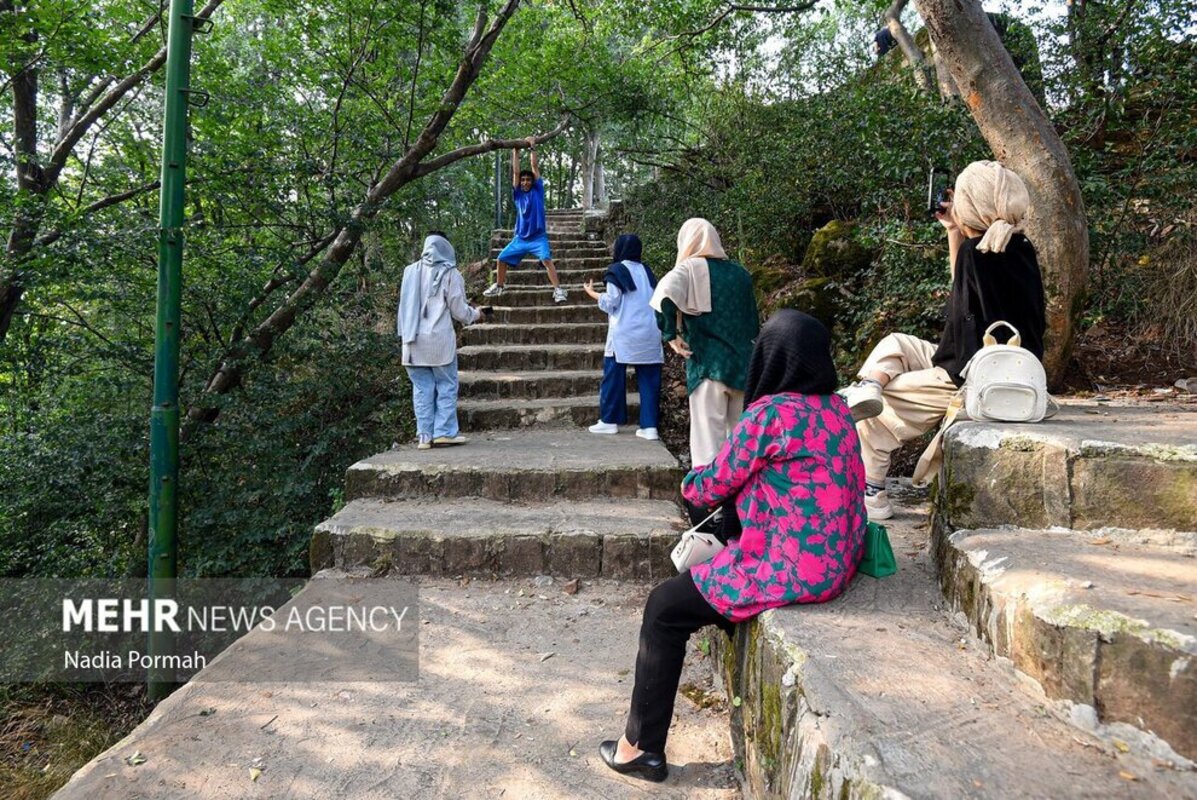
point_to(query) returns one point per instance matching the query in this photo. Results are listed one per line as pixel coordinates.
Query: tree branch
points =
(488, 146)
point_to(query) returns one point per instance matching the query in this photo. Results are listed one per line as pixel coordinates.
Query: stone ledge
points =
(878, 694)
(621, 539)
(1095, 620)
(1090, 467)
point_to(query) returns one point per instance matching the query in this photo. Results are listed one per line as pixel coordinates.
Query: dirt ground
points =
(519, 682)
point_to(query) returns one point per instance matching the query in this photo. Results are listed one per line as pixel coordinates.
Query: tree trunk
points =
(914, 56)
(600, 179)
(589, 158)
(1022, 138)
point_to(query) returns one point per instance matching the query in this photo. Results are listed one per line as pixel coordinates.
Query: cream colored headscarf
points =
(688, 284)
(992, 199)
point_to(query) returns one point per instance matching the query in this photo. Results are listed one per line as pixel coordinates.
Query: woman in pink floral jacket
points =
(793, 466)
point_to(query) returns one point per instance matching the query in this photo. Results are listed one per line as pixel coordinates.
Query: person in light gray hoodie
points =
(431, 297)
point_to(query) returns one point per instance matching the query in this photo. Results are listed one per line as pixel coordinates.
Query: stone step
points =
(485, 415)
(576, 261)
(570, 238)
(565, 258)
(562, 333)
(530, 356)
(529, 385)
(534, 465)
(591, 538)
(1103, 620)
(1091, 466)
(537, 295)
(878, 693)
(546, 315)
(575, 277)
(562, 227)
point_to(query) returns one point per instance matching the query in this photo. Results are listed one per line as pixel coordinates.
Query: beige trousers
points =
(916, 398)
(715, 409)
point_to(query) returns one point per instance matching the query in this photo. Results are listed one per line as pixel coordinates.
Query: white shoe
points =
(424, 444)
(648, 433)
(494, 290)
(445, 441)
(604, 427)
(863, 399)
(878, 507)
(559, 295)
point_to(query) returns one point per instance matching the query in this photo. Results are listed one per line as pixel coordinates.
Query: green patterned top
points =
(721, 339)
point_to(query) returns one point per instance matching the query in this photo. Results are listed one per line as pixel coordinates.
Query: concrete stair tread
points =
(879, 692)
(466, 377)
(527, 451)
(533, 348)
(1101, 619)
(591, 400)
(480, 518)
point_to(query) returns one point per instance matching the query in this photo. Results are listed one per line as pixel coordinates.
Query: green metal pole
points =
(164, 418)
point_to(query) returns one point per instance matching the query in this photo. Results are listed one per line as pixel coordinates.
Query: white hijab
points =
(688, 284)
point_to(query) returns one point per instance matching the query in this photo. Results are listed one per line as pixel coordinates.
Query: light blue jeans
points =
(434, 397)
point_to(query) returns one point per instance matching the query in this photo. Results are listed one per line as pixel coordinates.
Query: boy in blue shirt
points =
(527, 192)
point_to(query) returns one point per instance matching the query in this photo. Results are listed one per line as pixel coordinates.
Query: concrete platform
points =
(1093, 466)
(1098, 620)
(518, 685)
(880, 694)
(620, 539)
(536, 464)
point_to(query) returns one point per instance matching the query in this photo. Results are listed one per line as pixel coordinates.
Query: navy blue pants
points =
(613, 393)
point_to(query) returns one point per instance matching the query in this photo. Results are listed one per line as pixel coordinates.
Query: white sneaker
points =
(494, 290)
(604, 427)
(424, 444)
(863, 399)
(878, 507)
(446, 441)
(558, 294)
(648, 433)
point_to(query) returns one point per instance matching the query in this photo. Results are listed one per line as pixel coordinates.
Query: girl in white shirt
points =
(633, 339)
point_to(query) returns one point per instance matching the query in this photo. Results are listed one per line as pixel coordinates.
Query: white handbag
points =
(1004, 382)
(696, 547)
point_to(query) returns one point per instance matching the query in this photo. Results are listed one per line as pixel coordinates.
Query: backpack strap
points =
(932, 457)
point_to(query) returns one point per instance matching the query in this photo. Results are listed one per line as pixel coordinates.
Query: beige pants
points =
(714, 411)
(916, 398)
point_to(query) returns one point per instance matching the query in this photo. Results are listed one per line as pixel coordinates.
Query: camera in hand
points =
(939, 191)
(487, 310)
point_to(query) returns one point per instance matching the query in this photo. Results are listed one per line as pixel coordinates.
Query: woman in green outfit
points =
(708, 317)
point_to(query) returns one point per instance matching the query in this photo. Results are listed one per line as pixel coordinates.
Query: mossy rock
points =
(834, 252)
(819, 297)
(770, 276)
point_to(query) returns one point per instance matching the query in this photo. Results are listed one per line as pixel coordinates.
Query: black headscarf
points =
(627, 248)
(792, 354)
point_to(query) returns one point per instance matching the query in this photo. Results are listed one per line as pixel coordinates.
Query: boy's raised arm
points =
(534, 166)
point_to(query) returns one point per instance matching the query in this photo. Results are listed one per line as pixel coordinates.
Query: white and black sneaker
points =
(494, 290)
(863, 399)
(559, 295)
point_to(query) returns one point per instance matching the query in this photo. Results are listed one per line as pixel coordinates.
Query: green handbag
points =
(878, 561)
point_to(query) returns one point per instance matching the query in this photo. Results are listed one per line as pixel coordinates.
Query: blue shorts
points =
(519, 247)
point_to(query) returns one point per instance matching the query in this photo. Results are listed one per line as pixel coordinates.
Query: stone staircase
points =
(551, 499)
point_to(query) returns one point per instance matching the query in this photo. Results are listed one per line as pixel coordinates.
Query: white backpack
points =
(1004, 382)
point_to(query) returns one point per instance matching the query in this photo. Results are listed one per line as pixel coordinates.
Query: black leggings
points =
(675, 609)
